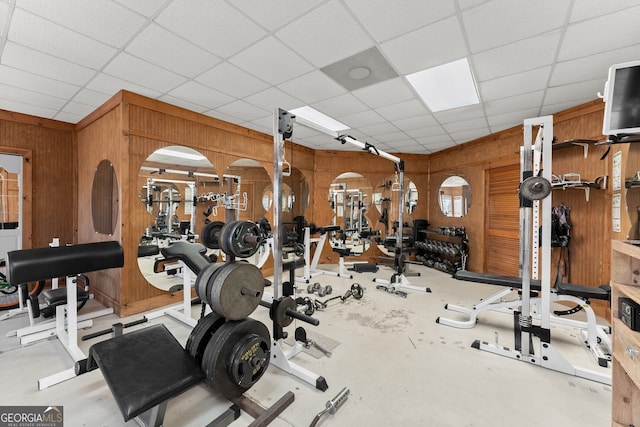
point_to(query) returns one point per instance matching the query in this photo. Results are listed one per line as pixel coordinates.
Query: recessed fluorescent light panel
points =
(446, 86)
(315, 116)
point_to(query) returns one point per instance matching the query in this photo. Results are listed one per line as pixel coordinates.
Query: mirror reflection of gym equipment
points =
(350, 198)
(454, 197)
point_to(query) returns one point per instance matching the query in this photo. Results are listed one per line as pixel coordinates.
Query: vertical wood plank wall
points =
(50, 175)
(129, 127)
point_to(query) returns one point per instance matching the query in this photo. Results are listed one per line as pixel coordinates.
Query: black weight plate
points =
(210, 234)
(202, 280)
(201, 334)
(225, 291)
(240, 238)
(235, 348)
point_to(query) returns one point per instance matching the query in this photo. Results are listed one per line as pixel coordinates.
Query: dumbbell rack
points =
(445, 249)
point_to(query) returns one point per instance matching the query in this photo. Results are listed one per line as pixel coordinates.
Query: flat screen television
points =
(622, 99)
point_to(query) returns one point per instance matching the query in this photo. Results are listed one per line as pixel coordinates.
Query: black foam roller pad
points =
(31, 265)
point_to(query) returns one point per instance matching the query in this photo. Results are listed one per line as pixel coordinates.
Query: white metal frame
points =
(547, 357)
(311, 269)
(182, 311)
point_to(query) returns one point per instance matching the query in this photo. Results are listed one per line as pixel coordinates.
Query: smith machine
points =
(284, 125)
(535, 187)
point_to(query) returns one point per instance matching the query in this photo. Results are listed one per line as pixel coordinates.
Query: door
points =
(502, 223)
(10, 203)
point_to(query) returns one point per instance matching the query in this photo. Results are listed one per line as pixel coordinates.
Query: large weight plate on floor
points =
(201, 335)
(237, 356)
(240, 238)
(235, 290)
(210, 234)
(206, 276)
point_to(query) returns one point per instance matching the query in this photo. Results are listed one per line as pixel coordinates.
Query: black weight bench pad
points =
(572, 289)
(148, 250)
(192, 254)
(33, 265)
(53, 297)
(144, 368)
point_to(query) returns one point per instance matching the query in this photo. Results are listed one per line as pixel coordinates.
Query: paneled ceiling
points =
(237, 60)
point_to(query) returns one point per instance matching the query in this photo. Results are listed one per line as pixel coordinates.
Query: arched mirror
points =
(454, 197)
(246, 181)
(388, 200)
(350, 196)
(180, 192)
(632, 189)
(104, 198)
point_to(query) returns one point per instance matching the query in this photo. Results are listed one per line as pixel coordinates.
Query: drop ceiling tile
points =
(28, 96)
(423, 40)
(574, 92)
(465, 125)
(242, 110)
(91, 97)
(111, 85)
(272, 17)
(592, 67)
(199, 94)
(29, 30)
(77, 109)
(384, 19)
(231, 80)
(555, 108)
(514, 103)
(384, 93)
(147, 8)
(389, 138)
(467, 4)
(497, 23)
(128, 67)
(426, 132)
(105, 21)
(415, 122)
(325, 35)
(266, 59)
(258, 126)
(363, 118)
(19, 107)
(273, 98)
(340, 105)
(181, 102)
(4, 10)
(414, 149)
(402, 110)
(300, 131)
(378, 129)
(511, 118)
(213, 25)
(469, 112)
(65, 116)
(587, 9)
(625, 34)
(33, 61)
(35, 83)
(514, 84)
(224, 117)
(436, 143)
(312, 87)
(469, 135)
(164, 49)
(517, 57)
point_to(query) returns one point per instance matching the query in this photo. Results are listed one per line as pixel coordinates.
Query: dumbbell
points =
(305, 305)
(321, 290)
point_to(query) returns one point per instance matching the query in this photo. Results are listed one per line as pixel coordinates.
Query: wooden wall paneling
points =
(47, 147)
(96, 141)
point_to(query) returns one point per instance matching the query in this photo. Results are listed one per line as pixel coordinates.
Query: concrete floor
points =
(401, 367)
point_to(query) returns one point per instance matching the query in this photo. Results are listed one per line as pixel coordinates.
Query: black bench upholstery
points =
(573, 289)
(32, 265)
(144, 368)
(192, 254)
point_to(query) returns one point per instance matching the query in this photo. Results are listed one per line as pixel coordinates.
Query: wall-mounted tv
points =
(622, 99)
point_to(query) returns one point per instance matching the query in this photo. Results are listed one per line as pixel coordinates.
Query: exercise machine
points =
(31, 265)
(310, 268)
(535, 190)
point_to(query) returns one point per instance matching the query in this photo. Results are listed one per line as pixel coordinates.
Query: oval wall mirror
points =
(350, 196)
(181, 193)
(104, 198)
(388, 200)
(454, 197)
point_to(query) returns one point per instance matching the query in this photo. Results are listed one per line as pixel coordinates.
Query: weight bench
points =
(597, 336)
(31, 265)
(311, 264)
